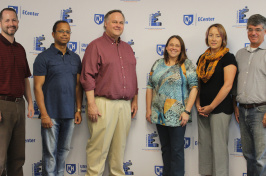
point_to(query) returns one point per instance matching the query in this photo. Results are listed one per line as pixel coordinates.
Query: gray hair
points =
(256, 20)
(110, 12)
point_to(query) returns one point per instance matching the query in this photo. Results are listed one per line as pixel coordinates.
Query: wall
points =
(189, 19)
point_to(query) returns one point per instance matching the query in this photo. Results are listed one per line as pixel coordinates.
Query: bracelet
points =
(78, 110)
(187, 112)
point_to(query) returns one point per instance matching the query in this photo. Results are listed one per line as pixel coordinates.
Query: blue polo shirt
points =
(59, 88)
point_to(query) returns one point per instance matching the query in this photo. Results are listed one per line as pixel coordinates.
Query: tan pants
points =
(108, 137)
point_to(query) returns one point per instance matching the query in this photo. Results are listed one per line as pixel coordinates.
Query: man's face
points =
(256, 35)
(114, 25)
(9, 23)
(62, 34)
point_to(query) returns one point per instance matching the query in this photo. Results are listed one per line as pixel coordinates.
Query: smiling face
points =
(173, 48)
(9, 23)
(62, 34)
(214, 40)
(256, 35)
(114, 25)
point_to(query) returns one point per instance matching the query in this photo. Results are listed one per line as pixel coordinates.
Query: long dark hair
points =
(182, 56)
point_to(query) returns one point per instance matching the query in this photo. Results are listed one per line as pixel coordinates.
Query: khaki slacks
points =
(108, 137)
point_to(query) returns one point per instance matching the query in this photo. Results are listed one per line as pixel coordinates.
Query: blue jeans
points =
(253, 139)
(172, 141)
(56, 145)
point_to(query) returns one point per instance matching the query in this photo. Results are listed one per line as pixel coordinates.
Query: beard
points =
(10, 32)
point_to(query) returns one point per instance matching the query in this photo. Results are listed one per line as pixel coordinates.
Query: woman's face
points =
(214, 39)
(173, 48)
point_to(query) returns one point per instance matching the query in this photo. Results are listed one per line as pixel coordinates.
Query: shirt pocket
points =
(55, 68)
(74, 67)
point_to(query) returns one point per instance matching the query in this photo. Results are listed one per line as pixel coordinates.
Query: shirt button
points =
(120, 57)
(247, 72)
(124, 77)
(123, 97)
(124, 87)
(122, 67)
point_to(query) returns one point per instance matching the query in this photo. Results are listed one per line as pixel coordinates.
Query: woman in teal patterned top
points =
(170, 95)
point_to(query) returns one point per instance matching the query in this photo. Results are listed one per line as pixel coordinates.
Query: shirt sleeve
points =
(192, 77)
(90, 67)
(39, 66)
(150, 83)
(80, 66)
(27, 73)
(229, 60)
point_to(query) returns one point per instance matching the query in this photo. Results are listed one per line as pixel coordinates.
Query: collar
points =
(57, 51)
(110, 39)
(262, 46)
(6, 42)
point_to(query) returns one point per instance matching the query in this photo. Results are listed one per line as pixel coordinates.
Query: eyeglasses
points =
(257, 30)
(62, 32)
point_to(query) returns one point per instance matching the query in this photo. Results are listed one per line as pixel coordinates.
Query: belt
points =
(248, 106)
(9, 98)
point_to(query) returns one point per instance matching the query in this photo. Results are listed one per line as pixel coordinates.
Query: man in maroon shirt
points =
(14, 83)
(109, 78)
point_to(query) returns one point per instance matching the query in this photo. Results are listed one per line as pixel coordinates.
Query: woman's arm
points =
(191, 100)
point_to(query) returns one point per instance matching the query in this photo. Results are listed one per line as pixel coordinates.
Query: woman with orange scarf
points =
(216, 72)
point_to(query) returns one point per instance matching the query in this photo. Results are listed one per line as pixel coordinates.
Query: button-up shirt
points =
(251, 81)
(59, 88)
(109, 69)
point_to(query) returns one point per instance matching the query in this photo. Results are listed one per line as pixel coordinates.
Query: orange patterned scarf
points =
(213, 60)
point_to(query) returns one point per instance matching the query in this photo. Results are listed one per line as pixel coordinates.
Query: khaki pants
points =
(108, 137)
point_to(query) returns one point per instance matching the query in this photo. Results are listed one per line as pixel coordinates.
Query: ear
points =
(53, 34)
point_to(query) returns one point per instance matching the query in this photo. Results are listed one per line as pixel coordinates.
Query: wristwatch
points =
(187, 112)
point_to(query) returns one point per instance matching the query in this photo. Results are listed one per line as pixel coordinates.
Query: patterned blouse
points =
(170, 86)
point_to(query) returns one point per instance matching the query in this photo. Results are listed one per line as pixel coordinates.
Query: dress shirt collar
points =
(6, 42)
(110, 38)
(262, 46)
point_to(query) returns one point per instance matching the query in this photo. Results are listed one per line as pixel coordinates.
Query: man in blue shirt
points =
(58, 91)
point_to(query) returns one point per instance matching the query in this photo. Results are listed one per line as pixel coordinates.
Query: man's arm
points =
(93, 111)
(38, 83)
(79, 94)
(134, 106)
(28, 97)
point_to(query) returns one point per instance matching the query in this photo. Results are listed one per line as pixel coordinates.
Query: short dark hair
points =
(221, 31)
(256, 20)
(56, 23)
(8, 9)
(110, 12)
(182, 56)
